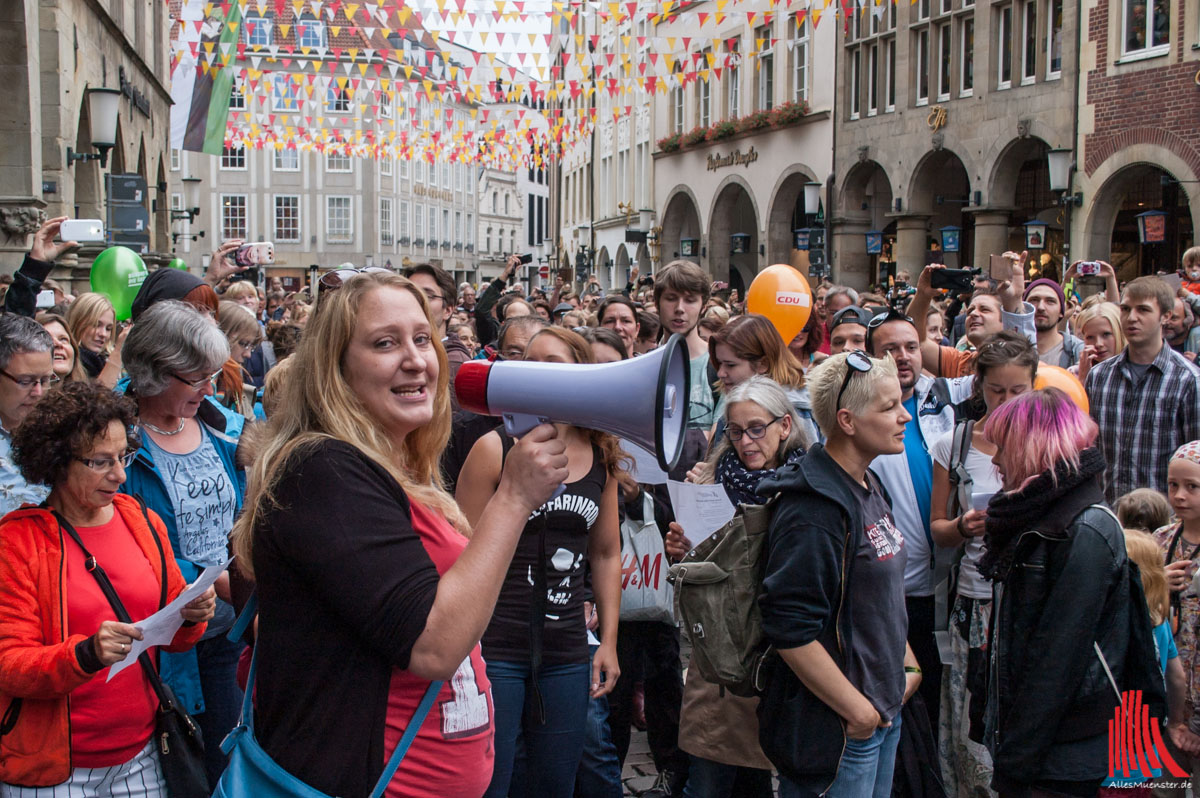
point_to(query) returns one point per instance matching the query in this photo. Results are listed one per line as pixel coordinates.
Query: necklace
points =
(160, 431)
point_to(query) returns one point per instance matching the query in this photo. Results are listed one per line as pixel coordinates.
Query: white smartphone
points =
(45, 299)
(84, 231)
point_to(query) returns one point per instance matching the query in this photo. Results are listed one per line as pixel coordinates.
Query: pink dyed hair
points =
(1036, 431)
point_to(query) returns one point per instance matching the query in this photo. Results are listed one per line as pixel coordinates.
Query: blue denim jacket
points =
(14, 490)
(223, 427)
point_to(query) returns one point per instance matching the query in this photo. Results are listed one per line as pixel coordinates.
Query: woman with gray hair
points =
(719, 730)
(186, 472)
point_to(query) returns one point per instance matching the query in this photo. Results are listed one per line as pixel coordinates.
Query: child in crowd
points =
(1143, 509)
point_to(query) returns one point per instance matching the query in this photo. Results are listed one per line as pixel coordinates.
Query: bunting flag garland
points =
(507, 83)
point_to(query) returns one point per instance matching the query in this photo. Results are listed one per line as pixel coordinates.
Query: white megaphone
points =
(644, 400)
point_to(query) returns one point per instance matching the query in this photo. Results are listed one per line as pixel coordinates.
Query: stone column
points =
(911, 237)
(851, 263)
(991, 235)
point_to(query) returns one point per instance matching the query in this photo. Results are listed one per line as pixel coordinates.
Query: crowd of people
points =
(965, 571)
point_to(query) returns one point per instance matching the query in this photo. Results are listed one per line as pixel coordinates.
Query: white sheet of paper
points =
(160, 628)
(979, 501)
(645, 465)
(700, 509)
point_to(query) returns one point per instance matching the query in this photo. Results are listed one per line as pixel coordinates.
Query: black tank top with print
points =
(569, 519)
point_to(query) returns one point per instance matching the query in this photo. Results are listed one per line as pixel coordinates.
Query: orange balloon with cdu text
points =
(781, 294)
(1065, 381)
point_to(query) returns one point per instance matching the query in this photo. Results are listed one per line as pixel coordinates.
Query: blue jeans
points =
(551, 750)
(710, 779)
(599, 774)
(866, 769)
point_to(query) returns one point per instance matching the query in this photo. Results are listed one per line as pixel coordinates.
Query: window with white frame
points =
(1054, 34)
(286, 160)
(945, 59)
(1029, 41)
(445, 227)
(338, 162)
(258, 31)
(233, 216)
(1004, 46)
(445, 175)
(384, 103)
(339, 220)
(284, 96)
(944, 6)
(512, 241)
(402, 230)
(470, 178)
(176, 160)
(387, 235)
(419, 225)
(889, 81)
(622, 178)
(487, 241)
(1147, 26)
(419, 171)
(404, 169)
(966, 57)
(458, 228)
(641, 166)
(176, 202)
(872, 79)
(433, 227)
(237, 96)
(458, 177)
(507, 197)
(733, 82)
(311, 33)
(337, 99)
(799, 26)
(921, 66)
(385, 164)
(287, 218)
(677, 101)
(855, 84)
(233, 158)
(923, 9)
(766, 68)
(471, 230)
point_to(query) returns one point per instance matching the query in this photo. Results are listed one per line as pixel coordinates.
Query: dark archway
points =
(1113, 225)
(681, 220)
(162, 214)
(863, 207)
(89, 199)
(787, 214)
(733, 214)
(941, 189)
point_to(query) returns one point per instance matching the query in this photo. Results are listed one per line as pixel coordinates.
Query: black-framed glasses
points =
(331, 281)
(102, 465)
(432, 295)
(27, 383)
(857, 362)
(754, 433)
(198, 385)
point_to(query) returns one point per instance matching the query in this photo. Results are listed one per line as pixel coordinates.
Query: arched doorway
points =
(620, 273)
(162, 214)
(681, 222)
(1021, 182)
(1112, 229)
(642, 260)
(733, 237)
(116, 162)
(787, 214)
(865, 202)
(940, 190)
(603, 265)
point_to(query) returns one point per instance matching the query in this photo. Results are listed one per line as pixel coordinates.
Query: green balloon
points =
(178, 263)
(118, 273)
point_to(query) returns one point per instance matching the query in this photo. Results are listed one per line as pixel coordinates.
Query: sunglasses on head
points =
(857, 362)
(883, 317)
(331, 281)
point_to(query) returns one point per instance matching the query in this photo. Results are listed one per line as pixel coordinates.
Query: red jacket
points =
(37, 659)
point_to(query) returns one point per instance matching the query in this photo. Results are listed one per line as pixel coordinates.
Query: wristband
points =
(912, 669)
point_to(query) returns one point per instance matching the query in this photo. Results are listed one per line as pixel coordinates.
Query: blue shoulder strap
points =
(406, 741)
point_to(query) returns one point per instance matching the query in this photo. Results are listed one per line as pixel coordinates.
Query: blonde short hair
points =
(241, 288)
(825, 382)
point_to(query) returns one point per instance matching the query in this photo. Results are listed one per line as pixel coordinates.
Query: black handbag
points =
(176, 736)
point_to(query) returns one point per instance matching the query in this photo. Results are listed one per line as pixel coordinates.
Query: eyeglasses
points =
(27, 383)
(857, 362)
(247, 344)
(331, 281)
(103, 465)
(198, 385)
(431, 296)
(754, 433)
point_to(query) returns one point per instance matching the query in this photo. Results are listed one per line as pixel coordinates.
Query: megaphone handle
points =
(517, 424)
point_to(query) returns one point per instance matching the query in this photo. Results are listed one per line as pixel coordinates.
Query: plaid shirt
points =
(1142, 424)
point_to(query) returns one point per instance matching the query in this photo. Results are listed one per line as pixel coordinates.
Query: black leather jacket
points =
(1050, 699)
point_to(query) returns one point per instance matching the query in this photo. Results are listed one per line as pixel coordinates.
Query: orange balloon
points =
(781, 294)
(1065, 381)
